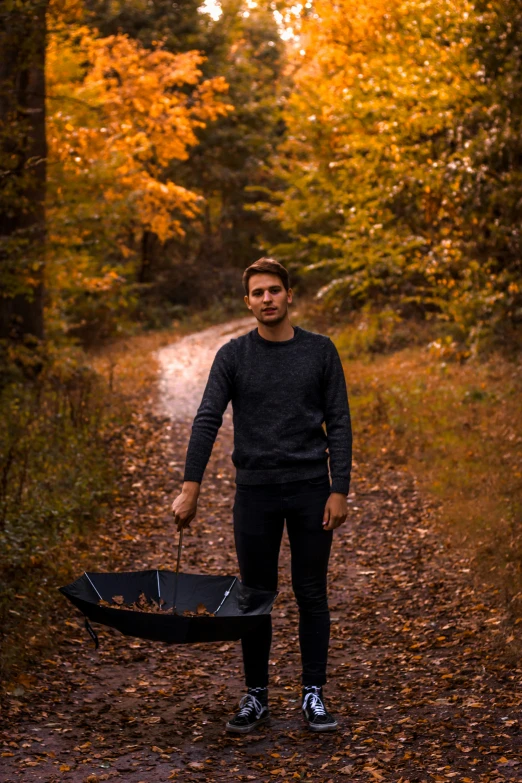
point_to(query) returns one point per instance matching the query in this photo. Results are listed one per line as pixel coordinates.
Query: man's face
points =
(268, 298)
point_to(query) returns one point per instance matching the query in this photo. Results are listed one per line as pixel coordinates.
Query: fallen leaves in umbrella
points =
(144, 604)
(201, 611)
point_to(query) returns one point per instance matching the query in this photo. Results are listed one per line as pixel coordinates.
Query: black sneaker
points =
(252, 713)
(314, 711)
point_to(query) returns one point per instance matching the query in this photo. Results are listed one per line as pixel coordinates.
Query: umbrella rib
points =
(227, 593)
(159, 591)
(93, 585)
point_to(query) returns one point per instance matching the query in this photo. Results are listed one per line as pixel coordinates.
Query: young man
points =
(284, 383)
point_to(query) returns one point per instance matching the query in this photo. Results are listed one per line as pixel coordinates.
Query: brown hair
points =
(267, 266)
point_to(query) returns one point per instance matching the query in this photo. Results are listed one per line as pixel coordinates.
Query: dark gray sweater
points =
(281, 394)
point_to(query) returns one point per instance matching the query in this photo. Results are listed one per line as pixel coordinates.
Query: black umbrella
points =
(230, 609)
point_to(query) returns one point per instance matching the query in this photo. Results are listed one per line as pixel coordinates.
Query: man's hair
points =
(266, 266)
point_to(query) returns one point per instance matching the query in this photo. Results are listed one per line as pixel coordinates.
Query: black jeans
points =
(259, 515)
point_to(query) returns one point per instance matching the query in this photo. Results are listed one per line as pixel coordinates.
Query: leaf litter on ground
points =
(422, 676)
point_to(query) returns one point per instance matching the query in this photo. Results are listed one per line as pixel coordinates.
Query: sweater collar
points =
(276, 343)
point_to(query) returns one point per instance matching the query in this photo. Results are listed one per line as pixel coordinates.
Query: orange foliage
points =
(117, 115)
(123, 117)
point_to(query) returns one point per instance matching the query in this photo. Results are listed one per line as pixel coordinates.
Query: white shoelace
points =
(315, 703)
(245, 705)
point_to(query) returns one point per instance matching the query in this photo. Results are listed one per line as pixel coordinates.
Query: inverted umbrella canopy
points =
(235, 608)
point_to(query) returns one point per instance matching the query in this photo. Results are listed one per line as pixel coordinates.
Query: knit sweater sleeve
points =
(209, 416)
(337, 420)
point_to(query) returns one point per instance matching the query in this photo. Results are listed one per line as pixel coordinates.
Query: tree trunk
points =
(148, 253)
(206, 245)
(23, 153)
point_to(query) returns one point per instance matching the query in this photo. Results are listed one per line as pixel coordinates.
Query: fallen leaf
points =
(374, 773)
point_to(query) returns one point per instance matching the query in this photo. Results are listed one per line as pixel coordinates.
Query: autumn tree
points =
(399, 125)
(120, 114)
(228, 167)
(491, 144)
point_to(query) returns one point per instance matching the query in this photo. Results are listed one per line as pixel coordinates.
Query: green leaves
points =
(400, 159)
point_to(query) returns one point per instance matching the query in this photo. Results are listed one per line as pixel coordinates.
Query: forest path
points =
(418, 678)
(184, 366)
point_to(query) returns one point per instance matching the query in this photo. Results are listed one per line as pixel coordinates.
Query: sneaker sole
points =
(325, 727)
(246, 729)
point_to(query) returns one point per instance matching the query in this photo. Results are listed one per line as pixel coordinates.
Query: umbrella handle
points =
(177, 571)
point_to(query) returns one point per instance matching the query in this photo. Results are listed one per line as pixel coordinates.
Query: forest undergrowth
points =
(62, 442)
(454, 421)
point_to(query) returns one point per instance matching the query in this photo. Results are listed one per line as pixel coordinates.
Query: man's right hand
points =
(185, 505)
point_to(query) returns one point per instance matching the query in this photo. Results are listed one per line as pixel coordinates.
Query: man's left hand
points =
(335, 511)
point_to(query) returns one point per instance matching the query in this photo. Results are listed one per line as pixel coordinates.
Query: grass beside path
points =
(458, 428)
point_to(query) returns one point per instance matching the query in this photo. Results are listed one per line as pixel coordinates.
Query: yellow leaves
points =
(376, 775)
(137, 104)
(115, 125)
(124, 250)
(104, 282)
(66, 11)
(157, 201)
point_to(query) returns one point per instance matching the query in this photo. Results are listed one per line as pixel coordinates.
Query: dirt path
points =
(422, 687)
(185, 366)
